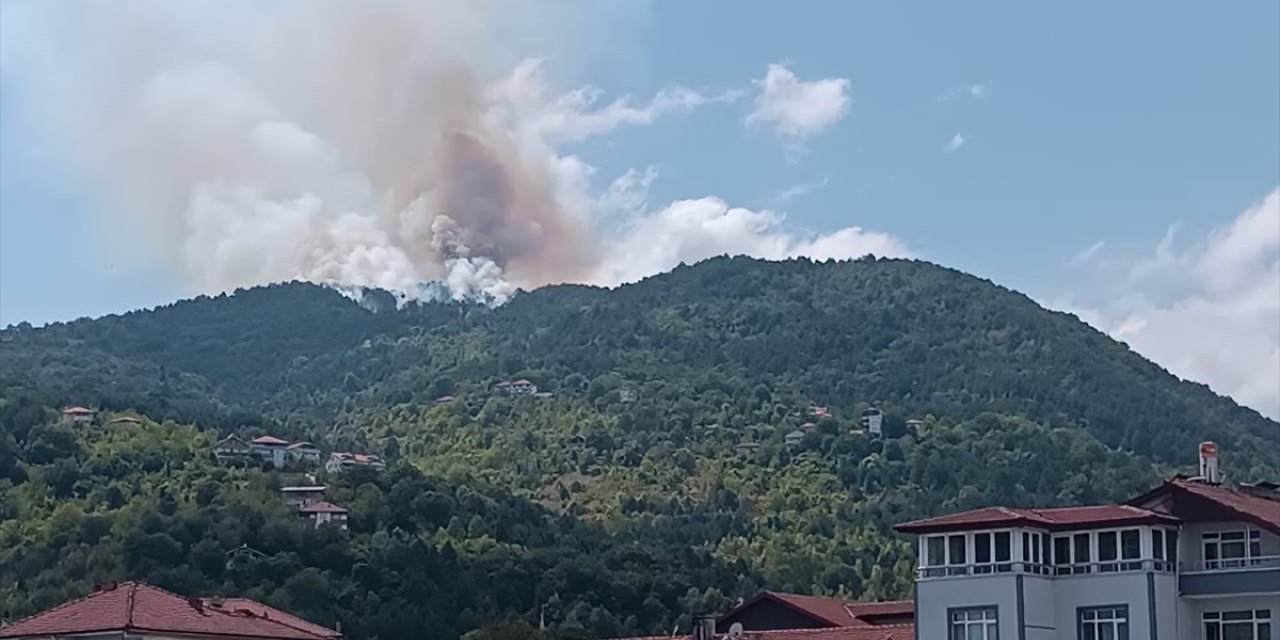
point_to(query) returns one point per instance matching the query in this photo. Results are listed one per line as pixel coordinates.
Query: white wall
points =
(934, 597)
(1191, 609)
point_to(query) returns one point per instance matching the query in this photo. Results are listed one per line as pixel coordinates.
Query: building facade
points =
(1191, 560)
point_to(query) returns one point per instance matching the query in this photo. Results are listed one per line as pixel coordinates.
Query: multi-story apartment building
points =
(1193, 559)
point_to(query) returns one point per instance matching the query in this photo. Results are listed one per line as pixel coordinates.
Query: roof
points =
(322, 507)
(307, 489)
(1256, 503)
(135, 606)
(78, 411)
(276, 615)
(883, 632)
(1061, 519)
(300, 445)
(836, 612)
(271, 440)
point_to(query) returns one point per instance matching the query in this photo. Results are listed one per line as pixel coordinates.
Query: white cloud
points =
(797, 109)
(787, 194)
(977, 91)
(1088, 254)
(692, 230)
(1208, 312)
(955, 143)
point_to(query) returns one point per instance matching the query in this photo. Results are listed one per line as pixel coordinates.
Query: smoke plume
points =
(372, 144)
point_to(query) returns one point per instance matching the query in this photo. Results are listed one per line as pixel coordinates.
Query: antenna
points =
(735, 630)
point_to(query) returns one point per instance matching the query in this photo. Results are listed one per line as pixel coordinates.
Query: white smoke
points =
(373, 144)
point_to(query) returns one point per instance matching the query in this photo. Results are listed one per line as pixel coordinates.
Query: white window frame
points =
(1255, 619)
(961, 621)
(1249, 538)
(1093, 623)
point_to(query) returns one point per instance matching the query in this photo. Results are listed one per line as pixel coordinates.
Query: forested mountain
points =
(671, 400)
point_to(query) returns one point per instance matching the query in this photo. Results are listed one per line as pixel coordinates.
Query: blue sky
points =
(1101, 157)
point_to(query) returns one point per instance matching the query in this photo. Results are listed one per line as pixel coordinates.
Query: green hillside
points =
(665, 430)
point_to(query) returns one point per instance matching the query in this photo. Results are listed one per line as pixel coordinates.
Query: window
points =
(1062, 555)
(1226, 549)
(956, 555)
(1131, 548)
(1157, 550)
(972, 624)
(1171, 547)
(935, 555)
(1044, 548)
(1107, 550)
(982, 552)
(1081, 560)
(1004, 551)
(1104, 623)
(1237, 625)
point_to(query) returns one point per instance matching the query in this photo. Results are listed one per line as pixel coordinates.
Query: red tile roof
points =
(833, 611)
(270, 440)
(276, 615)
(1059, 519)
(883, 632)
(322, 507)
(299, 445)
(1253, 504)
(134, 606)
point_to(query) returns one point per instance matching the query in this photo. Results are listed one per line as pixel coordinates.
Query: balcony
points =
(1230, 577)
(1051, 571)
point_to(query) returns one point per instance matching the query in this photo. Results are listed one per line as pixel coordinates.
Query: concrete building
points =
(232, 449)
(303, 452)
(1192, 559)
(518, 387)
(271, 449)
(299, 497)
(341, 461)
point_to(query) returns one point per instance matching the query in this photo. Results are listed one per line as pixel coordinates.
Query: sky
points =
(1120, 161)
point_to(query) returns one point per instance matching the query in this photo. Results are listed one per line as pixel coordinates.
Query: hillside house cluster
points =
(342, 461)
(517, 388)
(265, 449)
(311, 504)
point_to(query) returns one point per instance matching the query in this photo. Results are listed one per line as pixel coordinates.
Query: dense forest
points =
(653, 482)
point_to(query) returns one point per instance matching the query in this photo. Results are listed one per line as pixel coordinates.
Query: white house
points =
(79, 415)
(270, 448)
(304, 452)
(340, 461)
(299, 497)
(518, 387)
(325, 513)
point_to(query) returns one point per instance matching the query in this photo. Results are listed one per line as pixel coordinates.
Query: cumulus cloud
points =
(1207, 310)
(797, 109)
(692, 230)
(954, 144)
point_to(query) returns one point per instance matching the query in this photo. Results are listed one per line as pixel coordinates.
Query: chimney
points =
(704, 628)
(1209, 462)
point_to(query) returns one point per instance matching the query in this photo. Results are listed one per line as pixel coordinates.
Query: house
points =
(298, 497)
(271, 449)
(746, 447)
(518, 387)
(771, 611)
(1192, 559)
(445, 400)
(784, 616)
(819, 412)
(303, 452)
(142, 612)
(325, 513)
(232, 449)
(808, 426)
(78, 415)
(339, 461)
(793, 439)
(873, 421)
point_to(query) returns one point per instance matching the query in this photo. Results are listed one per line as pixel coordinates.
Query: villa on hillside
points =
(303, 452)
(518, 387)
(78, 415)
(276, 451)
(341, 461)
(139, 611)
(299, 497)
(322, 513)
(232, 449)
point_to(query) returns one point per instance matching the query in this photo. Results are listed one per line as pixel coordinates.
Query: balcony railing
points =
(998, 568)
(1231, 564)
